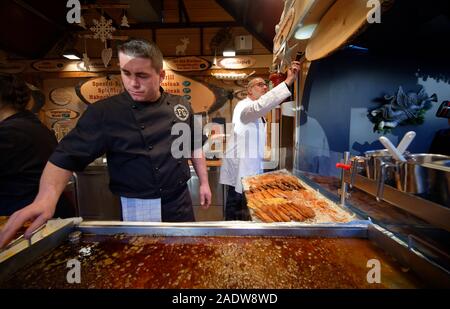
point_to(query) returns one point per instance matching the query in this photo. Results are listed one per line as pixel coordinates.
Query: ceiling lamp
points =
(305, 32)
(72, 54)
(229, 53)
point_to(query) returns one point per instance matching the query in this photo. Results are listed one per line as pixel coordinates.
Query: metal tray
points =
(312, 187)
(431, 273)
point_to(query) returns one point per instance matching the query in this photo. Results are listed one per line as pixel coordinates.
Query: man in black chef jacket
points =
(133, 129)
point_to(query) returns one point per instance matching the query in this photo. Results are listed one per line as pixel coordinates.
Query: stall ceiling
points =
(410, 26)
(259, 17)
(32, 28)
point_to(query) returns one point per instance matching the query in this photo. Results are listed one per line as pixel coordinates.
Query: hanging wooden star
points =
(86, 61)
(125, 21)
(102, 29)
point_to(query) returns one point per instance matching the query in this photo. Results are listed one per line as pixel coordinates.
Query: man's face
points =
(139, 77)
(257, 88)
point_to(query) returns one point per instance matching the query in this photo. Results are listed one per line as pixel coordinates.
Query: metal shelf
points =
(433, 213)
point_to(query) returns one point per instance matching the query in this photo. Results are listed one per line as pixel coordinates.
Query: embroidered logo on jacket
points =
(181, 112)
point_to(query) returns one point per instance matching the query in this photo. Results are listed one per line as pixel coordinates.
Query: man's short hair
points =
(143, 49)
(254, 81)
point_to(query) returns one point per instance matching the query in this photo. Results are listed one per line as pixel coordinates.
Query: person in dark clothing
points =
(441, 140)
(25, 146)
(134, 130)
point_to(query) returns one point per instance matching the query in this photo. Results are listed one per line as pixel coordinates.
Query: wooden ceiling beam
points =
(240, 16)
(36, 12)
(183, 12)
(105, 6)
(156, 25)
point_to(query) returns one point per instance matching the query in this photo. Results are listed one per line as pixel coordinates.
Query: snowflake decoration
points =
(102, 30)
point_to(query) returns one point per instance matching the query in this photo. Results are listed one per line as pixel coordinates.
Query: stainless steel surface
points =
(343, 192)
(418, 176)
(216, 210)
(422, 208)
(431, 252)
(230, 228)
(430, 272)
(355, 162)
(374, 160)
(21, 237)
(95, 199)
(381, 178)
(34, 251)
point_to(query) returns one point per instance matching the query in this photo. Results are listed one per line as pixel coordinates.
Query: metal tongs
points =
(21, 237)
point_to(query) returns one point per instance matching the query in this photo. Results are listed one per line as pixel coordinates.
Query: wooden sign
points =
(284, 30)
(49, 65)
(100, 88)
(61, 96)
(95, 65)
(184, 64)
(344, 19)
(198, 94)
(235, 63)
(12, 67)
(61, 114)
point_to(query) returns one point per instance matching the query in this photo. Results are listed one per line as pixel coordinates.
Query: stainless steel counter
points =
(96, 202)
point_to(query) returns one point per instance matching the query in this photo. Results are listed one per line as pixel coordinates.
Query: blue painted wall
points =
(341, 88)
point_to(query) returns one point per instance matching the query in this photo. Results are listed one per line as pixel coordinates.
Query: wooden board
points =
(344, 19)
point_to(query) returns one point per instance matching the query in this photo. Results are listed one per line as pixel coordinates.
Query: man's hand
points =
(39, 214)
(205, 196)
(53, 181)
(292, 72)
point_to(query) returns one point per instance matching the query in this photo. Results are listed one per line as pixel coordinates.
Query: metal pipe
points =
(343, 184)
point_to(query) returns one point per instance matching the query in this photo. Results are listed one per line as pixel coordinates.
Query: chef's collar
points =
(161, 91)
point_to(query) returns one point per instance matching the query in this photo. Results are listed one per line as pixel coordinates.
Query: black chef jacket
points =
(25, 146)
(137, 140)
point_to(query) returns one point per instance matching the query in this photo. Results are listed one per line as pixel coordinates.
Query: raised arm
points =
(262, 105)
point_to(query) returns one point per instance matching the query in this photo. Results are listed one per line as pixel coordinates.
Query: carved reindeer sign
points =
(181, 48)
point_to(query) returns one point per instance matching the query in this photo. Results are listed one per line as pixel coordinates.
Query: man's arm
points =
(271, 99)
(53, 181)
(199, 162)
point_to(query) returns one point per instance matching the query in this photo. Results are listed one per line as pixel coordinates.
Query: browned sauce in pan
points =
(123, 261)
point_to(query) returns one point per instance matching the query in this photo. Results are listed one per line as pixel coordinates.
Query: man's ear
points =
(162, 75)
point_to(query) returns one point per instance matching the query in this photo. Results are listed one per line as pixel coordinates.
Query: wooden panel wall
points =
(209, 33)
(168, 39)
(206, 11)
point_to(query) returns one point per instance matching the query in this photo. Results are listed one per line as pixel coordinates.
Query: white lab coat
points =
(245, 150)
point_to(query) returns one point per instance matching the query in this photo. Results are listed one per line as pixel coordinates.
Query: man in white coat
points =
(245, 145)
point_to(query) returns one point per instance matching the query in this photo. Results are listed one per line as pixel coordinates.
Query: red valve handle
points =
(344, 166)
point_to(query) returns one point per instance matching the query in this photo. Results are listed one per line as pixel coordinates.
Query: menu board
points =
(198, 94)
(188, 64)
(100, 88)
